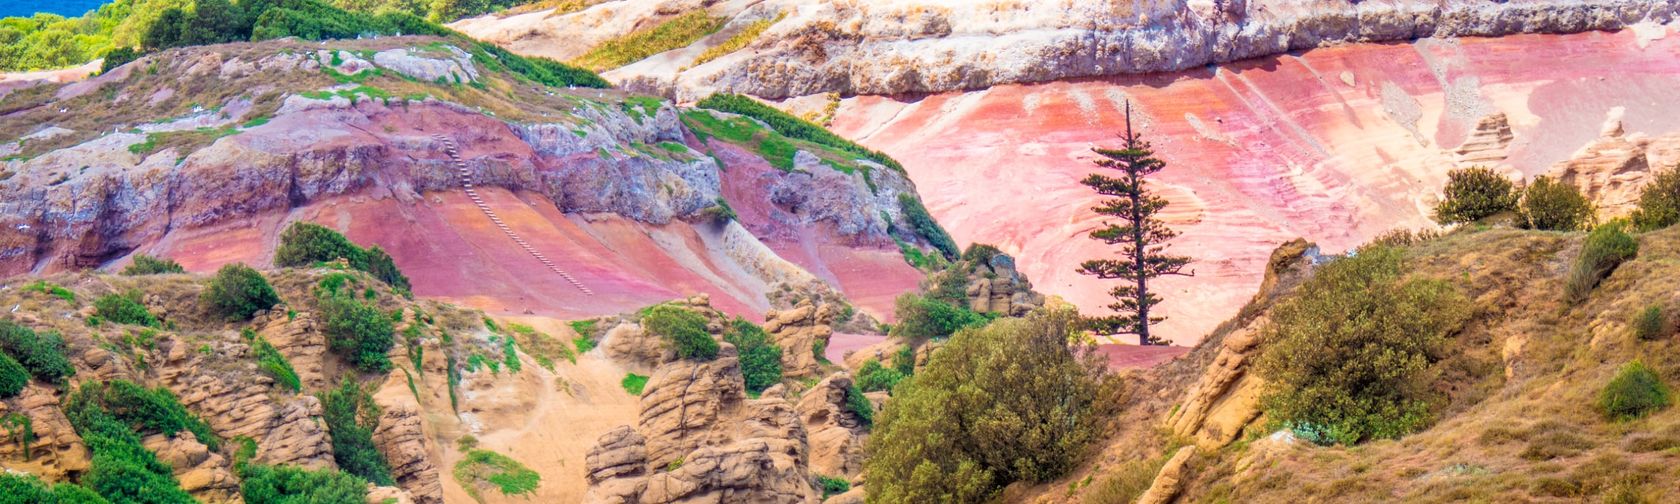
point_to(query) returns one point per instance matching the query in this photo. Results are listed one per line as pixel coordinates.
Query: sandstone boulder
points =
(401, 437)
(837, 434)
(56, 451)
(798, 331)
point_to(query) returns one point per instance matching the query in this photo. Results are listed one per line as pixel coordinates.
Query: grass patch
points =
(792, 127)
(739, 40)
(635, 46)
(634, 383)
(55, 290)
(485, 468)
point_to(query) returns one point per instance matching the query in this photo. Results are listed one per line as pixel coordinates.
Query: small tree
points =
(1554, 206)
(147, 265)
(1659, 201)
(1474, 194)
(237, 292)
(1141, 236)
(684, 329)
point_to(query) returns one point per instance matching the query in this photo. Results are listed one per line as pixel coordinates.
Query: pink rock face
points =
(1335, 145)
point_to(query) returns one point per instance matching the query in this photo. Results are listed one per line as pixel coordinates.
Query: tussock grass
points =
(636, 46)
(741, 39)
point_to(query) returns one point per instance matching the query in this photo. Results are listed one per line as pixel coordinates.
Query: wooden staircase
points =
(466, 184)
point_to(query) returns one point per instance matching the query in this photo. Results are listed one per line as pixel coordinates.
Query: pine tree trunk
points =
(1137, 264)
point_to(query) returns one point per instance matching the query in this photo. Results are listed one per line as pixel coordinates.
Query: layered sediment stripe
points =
(467, 186)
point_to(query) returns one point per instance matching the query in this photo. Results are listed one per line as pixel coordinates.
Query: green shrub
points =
(22, 488)
(237, 292)
(1473, 194)
(832, 486)
(685, 330)
(792, 127)
(1650, 323)
(925, 317)
(719, 212)
(351, 417)
(45, 287)
(1553, 206)
(1606, 247)
(1659, 201)
(1636, 391)
(153, 411)
(925, 226)
(972, 421)
(859, 405)
(357, 332)
(872, 377)
(147, 265)
(633, 383)
(1349, 354)
(904, 360)
(305, 243)
(124, 309)
(761, 359)
(13, 377)
(510, 354)
(41, 353)
(264, 484)
(272, 362)
(382, 267)
(122, 470)
(488, 468)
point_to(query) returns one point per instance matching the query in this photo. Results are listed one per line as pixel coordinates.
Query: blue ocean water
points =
(66, 8)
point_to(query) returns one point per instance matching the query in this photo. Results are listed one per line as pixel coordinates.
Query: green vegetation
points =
(677, 32)
(123, 471)
(792, 127)
(737, 41)
(1636, 391)
(761, 359)
(49, 288)
(1659, 201)
(859, 405)
(1473, 194)
(271, 361)
(832, 486)
(237, 292)
(1349, 356)
(925, 226)
(22, 488)
(1607, 246)
(684, 329)
(124, 308)
(487, 468)
(46, 41)
(540, 346)
(13, 377)
(305, 243)
(147, 265)
(510, 354)
(153, 410)
(1553, 206)
(633, 383)
(972, 421)
(263, 484)
(924, 317)
(720, 212)
(351, 418)
(40, 353)
(1650, 324)
(873, 377)
(358, 332)
(586, 335)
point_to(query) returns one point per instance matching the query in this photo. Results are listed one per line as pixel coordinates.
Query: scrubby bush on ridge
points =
(125, 308)
(1659, 201)
(351, 417)
(1348, 356)
(922, 317)
(41, 353)
(1635, 391)
(1606, 247)
(238, 292)
(358, 332)
(147, 265)
(305, 243)
(684, 329)
(1550, 205)
(1650, 323)
(264, 484)
(761, 359)
(1473, 194)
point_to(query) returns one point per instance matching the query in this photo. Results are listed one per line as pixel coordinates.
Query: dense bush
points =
(124, 309)
(263, 484)
(1650, 323)
(106, 415)
(1008, 402)
(1474, 194)
(13, 377)
(928, 228)
(872, 376)
(924, 317)
(41, 353)
(304, 244)
(793, 127)
(832, 486)
(1349, 355)
(20, 488)
(1553, 206)
(1636, 391)
(47, 40)
(272, 362)
(153, 411)
(683, 329)
(1606, 247)
(633, 383)
(237, 292)
(358, 332)
(761, 359)
(147, 265)
(351, 418)
(1659, 201)
(859, 405)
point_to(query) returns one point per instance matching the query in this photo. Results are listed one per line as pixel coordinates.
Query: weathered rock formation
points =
(207, 476)
(1486, 145)
(887, 48)
(410, 453)
(798, 331)
(1612, 169)
(995, 286)
(56, 451)
(837, 434)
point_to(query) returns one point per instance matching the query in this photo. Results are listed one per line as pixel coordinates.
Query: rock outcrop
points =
(837, 434)
(207, 476)
(1169, 481)
(798, 331)
(1486, 145)
(56, 451)
(995, 286)
(886, 48)
(1611, 170)
(402, 438)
